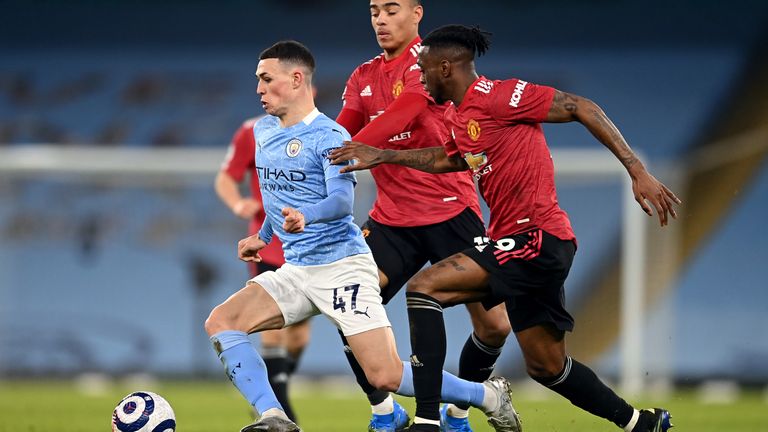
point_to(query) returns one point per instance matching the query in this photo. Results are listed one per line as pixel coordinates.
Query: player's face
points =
(275, 86)
(431, 75)
(396, 22)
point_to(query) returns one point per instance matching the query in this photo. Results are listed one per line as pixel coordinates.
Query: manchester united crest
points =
(293, 148)
(473, 129)
(397, 88)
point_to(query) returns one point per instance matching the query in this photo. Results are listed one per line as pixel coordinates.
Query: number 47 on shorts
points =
(340, 293)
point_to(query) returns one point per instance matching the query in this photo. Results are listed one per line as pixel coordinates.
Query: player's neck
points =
(297, 113)
(463, 83)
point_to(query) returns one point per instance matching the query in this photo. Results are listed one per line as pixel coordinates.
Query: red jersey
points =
(497, 130)
(240, 160)
(407, 197)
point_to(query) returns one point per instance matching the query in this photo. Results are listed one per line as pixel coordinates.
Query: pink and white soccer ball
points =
(143, 411)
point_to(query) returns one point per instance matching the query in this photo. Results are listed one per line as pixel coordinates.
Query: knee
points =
(544, 367)
(385, 377)
(421, 284)
(216, 322)
(384, 380)
(494, 333)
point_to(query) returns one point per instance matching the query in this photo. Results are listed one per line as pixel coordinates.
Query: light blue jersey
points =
(293, 168)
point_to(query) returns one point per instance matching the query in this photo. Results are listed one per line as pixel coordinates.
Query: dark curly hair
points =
(473, 39)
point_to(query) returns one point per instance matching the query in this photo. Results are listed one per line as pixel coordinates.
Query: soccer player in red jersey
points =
(281, 349)
(495, 131)
(417, 217)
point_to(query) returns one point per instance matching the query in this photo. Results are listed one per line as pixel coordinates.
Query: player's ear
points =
(445, 68)
(297, 78)
(418, 14)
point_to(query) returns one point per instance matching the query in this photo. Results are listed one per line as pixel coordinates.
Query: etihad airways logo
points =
(269, 177)
(266, 173)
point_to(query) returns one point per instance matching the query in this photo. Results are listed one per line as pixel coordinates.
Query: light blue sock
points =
(454, 389)
(245, 368)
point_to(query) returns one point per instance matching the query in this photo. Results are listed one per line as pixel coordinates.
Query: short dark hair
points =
(290, 51)
(473, 39)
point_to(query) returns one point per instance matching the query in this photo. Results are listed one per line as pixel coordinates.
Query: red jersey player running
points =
(417, 217)
(495, 132)
(280, 349)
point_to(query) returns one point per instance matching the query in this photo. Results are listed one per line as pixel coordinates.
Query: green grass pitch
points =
(217, 407)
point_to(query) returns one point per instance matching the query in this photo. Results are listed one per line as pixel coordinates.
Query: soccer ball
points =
(143, 411)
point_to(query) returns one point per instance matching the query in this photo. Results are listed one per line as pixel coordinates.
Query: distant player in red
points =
(417, 217)
(281, 349)
(495, 131)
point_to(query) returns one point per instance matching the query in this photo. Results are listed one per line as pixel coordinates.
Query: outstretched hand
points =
(649, 190)
(294, 220)
(249, 247)
(366, 157)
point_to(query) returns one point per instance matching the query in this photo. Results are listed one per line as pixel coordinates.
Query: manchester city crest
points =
(293, 148)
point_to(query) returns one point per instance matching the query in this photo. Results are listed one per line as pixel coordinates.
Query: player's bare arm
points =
(432, 160)
(228, 191)
(249, 247)
(567, 107)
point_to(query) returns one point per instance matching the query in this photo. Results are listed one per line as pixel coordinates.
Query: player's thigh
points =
(454, 280)
(376, 352)
(287, 287)
(397, 253)
(277, 337)
(249, 310)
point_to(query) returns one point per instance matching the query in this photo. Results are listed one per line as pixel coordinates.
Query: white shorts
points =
(346, 291)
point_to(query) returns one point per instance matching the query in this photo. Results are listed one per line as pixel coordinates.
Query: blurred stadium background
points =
(114, 117)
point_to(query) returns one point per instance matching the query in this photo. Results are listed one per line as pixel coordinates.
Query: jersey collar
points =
(311, 116)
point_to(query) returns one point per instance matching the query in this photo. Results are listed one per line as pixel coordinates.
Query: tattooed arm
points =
(567, 107)
(432, 160)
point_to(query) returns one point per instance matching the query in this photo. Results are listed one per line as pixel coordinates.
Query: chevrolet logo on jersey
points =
(397, 88)
(475, 161)
(473, 129)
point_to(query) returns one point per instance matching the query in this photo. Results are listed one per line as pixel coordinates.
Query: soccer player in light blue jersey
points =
(329, 268)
